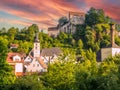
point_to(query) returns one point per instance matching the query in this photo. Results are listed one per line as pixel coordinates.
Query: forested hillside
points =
(76, 69)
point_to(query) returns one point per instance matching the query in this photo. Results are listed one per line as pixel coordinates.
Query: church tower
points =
(36, 48)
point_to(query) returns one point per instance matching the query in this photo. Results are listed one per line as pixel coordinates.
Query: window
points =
(42, 70)
(37, 65)
(17, 59)
(64, 29)
(33, 65)
(37, 70)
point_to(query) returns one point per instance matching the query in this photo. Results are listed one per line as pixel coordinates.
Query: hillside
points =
(76, 69)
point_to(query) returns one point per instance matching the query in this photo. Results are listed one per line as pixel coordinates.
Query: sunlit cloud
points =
(45, 13)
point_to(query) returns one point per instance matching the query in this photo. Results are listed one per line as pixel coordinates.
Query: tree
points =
(29, 82)
(89, 37)
(94, 16)
(3, 30)
(80, 44)
(30, 33)
(80, 32)
(12, 33)
(105, 41)
(6, 75)
(24, 46)
(117, 40)
(60, 75)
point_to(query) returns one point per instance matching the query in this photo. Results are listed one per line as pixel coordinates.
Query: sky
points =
(45, 13)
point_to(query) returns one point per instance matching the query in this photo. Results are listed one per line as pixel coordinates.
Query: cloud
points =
(111, 7)
(38, 10)
(47, 12)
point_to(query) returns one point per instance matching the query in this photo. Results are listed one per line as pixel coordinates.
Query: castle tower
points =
(112, 28)
(36, 48)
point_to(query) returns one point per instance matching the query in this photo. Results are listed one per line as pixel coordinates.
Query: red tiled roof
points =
(13, 45)
(42, 63)
(10, 57)
(19, 74)
(77, 13)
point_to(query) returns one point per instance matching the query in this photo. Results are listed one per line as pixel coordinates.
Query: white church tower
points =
(36, 48)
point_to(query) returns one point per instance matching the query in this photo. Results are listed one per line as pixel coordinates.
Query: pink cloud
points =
(46, 12)
(110, 9)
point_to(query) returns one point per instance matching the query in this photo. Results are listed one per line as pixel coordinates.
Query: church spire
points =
(36, 37)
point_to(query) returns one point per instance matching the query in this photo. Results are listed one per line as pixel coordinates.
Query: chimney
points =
(112, 28)
(69, 16)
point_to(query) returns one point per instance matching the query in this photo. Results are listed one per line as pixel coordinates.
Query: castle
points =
(74, 18)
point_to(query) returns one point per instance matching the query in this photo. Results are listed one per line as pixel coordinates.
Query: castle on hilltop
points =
(69, 26)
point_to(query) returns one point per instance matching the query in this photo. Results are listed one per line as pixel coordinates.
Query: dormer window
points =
(16, 58)
(37, 65)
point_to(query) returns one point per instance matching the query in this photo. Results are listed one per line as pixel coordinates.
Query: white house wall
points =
(27, 59)
(115, 51)
(34, 66)
(49, 59)
(19, 67)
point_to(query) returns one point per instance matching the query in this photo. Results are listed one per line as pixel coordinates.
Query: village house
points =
(16, 60)
(50, 54)
(13, 46)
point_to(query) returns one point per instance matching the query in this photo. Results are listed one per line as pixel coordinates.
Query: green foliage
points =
(24, 47)
(6, 76)
(80, 44)
(104, 43)
(117, 40)
(30, 33)
(3, 49)
(95, 16)
(65, 39)
(12, 32)
(80, 32)
(29, 82)
(60, 75)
